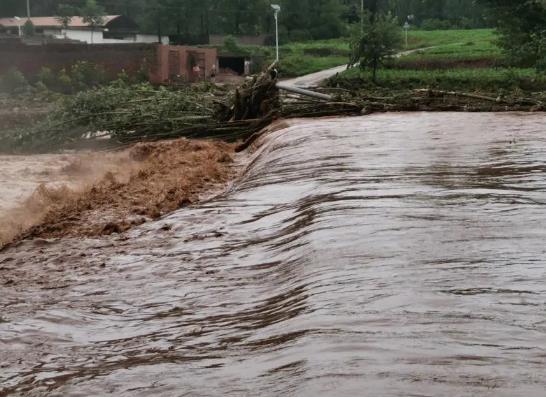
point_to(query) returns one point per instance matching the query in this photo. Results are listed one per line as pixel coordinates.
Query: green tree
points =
(93, 15)
(522, 29)
(379, 40)
(65, 13)
(28, 29)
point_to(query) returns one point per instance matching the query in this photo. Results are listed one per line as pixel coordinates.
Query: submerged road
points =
(388, 255)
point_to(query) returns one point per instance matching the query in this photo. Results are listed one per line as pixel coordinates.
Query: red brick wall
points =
(113, 57)
(163, 74)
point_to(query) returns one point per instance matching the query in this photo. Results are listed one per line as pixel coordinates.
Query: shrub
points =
(143, 73)
(28, 28)
(86, 75)
(231, 45)
(41, 87)
(47, 77)
(13, 82)
(123, 77)
(64, 82)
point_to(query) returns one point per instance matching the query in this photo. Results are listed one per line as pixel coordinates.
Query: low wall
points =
(29, 59)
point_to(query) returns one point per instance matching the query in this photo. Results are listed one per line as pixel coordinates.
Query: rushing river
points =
(388, 255)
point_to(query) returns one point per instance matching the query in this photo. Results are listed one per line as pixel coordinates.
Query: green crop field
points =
(484, 79)
(451, 48)
(450, 60)
(430, 38)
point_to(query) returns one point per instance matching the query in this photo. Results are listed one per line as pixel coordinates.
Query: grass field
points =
(442, 49)
(466, 60)
(430, 38)
(450, 49)
(298, 59)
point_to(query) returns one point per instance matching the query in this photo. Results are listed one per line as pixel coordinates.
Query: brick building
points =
(163, 63)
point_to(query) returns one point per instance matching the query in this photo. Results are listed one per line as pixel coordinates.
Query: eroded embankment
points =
(111, 192)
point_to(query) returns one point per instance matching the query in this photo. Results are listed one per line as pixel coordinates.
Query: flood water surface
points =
(388, 255)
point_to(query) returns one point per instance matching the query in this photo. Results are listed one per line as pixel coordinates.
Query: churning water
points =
(389, 255)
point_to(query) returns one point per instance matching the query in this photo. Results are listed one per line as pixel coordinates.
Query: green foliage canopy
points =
(522, 28)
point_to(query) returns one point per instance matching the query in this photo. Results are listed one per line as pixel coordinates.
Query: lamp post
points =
(407, 27)
(277, 9)
(18, 24)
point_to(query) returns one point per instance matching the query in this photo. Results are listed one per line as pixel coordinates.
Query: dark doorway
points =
(236, 64)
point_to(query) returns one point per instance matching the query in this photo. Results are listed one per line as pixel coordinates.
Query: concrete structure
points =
(116, 29)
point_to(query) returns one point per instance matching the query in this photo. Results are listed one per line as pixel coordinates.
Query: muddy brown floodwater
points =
(389, 255)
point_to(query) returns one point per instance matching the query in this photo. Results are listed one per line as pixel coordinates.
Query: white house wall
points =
(84, 35)
(151, 38)
(98, 37)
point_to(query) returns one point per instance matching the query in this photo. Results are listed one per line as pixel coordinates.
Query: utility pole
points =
(28, 9)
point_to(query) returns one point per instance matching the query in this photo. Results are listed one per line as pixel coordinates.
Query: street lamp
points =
(407, 27)
(276, 9)
(18, 24)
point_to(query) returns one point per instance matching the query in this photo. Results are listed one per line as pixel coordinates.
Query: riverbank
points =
(104, 193)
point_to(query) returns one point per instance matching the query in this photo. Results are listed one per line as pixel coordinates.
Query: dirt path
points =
(315, 79)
